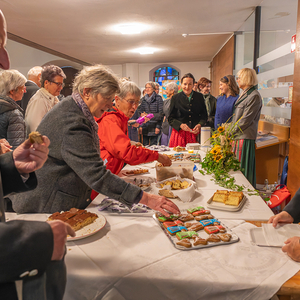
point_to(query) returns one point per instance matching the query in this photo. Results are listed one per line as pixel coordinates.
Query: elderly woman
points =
(74, 166)
(225, 102)
(115, 145)
(171, 89)
(151, 104)
(246, 112)
(187, 113)
(12, 124)
(204, 86)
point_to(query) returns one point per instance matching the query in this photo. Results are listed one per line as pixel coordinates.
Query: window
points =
(165, 73)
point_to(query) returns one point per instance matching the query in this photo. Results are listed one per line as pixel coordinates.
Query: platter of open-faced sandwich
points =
(227, 200)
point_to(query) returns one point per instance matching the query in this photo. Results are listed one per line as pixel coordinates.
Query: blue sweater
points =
(224, 109)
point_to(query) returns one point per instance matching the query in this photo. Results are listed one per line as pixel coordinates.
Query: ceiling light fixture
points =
(129, 28)
(145, 50)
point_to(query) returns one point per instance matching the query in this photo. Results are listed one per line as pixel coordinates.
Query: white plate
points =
(89, 230)
(128, 174)
(141, 180)
(222, 206)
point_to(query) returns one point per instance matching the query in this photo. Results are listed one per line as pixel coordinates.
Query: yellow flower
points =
(217, 147)
(221, 129)
(215, 135)
(214, 151)
(218, 158)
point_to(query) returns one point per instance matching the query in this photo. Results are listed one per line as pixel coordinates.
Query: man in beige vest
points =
(52, 78)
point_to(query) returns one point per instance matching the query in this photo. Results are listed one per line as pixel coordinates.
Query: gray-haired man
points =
(32, 85)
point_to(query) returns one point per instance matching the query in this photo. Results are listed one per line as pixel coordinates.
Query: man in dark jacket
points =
(28, 250)
(32, 85)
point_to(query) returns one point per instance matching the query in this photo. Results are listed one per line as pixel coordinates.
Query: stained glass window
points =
(165, 73)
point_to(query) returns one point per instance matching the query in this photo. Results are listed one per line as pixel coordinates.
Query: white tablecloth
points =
(132, 259)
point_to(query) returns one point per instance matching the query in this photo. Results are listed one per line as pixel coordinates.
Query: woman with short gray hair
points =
(151, 103)
(74, 166)
(171, 89)
(246, 112)
(115, 145)
(172, 86)
(12, 124)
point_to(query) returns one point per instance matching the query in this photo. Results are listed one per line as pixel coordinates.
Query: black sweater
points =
(187, 112)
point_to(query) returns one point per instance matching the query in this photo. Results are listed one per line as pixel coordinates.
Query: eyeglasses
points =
(59, 84)
(132, 102)
(23, 88)
(148, 87)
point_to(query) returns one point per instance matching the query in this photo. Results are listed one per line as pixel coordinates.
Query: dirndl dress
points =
(244, 151)
(181, 138)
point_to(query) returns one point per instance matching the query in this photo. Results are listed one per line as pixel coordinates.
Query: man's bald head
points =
(4, 59)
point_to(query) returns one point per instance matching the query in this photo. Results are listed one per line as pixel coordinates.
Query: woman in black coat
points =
(188, 113)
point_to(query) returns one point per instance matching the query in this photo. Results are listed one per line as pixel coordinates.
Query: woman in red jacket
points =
(115, 145)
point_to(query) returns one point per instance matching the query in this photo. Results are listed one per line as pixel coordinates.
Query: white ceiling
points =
(82, 29)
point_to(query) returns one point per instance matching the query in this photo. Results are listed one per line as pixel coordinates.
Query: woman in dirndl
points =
(246, 112)
(187, 113)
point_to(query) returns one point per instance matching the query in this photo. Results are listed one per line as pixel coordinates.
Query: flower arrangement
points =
(220, 159)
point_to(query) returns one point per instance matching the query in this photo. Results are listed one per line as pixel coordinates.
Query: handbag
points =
(280, 194)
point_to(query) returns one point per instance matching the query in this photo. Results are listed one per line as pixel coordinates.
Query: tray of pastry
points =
(196, 229)
(227, 200)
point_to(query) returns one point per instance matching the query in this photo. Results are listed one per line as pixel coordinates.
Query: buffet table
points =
(131, 258)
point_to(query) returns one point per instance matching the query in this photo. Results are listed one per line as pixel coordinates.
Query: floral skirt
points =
(181, 138)
(244, 151)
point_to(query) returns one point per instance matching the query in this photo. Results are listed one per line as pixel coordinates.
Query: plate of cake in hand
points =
(83, 222)
(227, 200)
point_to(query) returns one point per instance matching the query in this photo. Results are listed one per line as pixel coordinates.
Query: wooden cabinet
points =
(270, 158)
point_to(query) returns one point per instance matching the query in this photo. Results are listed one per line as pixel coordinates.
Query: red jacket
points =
(115, 147)
(115, 144)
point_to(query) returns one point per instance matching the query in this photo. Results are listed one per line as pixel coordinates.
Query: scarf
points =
(207, 103)
(148, 98)
(244, 95)
(87, 113)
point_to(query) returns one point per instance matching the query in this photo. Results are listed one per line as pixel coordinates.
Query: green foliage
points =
(220, 170)
(220, 159)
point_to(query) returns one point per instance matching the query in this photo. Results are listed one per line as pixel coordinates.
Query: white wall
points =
(117, 69)
(23, 58)
(141, 75)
